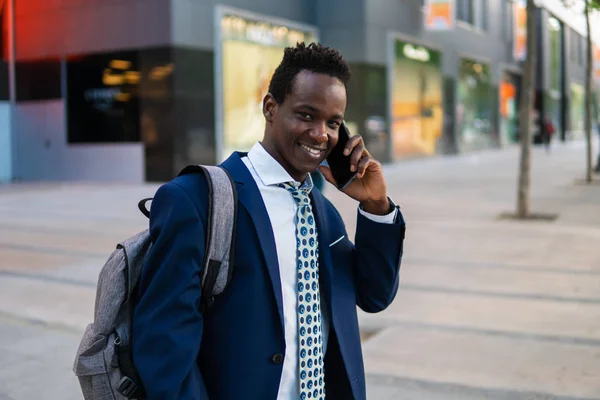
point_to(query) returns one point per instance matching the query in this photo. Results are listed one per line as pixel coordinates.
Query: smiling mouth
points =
(313, 151)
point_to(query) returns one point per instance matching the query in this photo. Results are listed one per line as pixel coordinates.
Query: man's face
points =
(302, 130)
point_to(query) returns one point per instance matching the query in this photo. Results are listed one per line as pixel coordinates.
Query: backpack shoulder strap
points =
(220, 231)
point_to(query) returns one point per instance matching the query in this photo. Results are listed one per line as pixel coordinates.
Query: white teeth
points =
(315, 152)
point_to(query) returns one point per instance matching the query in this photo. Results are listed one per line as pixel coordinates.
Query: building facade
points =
(134, 90)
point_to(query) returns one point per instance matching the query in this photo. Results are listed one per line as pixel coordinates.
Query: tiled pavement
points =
(487, 308)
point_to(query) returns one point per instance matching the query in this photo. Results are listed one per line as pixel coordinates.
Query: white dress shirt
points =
(281, 208)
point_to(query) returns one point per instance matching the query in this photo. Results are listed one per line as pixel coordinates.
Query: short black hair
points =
(315, 58)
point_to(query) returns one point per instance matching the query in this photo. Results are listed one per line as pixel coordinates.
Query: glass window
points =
(4, 34)
(483, 14)
(553, 102)
(38, 80)
(260, 45)
(475, 110)
(417, 100)
(580, 50)
(102, 98)
(508, 17)
(474, 12)
(576, 112)
(555, 64)
(573, 45)
(510, 89)
(465, 11)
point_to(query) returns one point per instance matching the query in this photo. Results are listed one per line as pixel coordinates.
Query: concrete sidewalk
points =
(487, 308)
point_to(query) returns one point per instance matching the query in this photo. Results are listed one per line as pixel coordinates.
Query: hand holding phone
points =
(366, 184)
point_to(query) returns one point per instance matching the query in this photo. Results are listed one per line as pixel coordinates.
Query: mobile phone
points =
(339, 163)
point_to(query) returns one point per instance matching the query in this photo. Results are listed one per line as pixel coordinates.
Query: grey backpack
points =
(103, 363)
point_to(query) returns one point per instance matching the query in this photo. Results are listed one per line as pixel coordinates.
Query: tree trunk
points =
(596, 116)
(588, 96)
(525, 113)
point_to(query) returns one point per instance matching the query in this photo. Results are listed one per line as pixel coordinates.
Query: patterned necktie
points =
(310, 345)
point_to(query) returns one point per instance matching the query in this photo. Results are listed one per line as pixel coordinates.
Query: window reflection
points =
(474, 108)
(106, 93)
(103, 98)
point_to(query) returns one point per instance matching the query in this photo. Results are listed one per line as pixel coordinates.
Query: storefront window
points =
(577, 112)
(251, 51)
(465, 11)
(38, 80)
(474, 109)
(417, 112)
(103, 103)
(510, 89)
(553, 101)
(4, 49)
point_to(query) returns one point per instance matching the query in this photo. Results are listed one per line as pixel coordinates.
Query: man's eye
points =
(334, 124)
(305, 116)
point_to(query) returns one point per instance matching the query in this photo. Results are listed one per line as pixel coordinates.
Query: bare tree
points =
(589, 87)
(587, 6)
(588, 97)
(526, 113)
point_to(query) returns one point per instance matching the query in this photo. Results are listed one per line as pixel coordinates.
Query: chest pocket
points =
(342, 257)
(340, 239)
(337, 242)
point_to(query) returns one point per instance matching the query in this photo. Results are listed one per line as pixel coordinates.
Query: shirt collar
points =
(270, 172)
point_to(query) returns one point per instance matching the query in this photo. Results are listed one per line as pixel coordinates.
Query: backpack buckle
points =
(127, 387)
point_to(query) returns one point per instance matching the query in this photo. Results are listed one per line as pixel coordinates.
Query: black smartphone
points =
(339, 163)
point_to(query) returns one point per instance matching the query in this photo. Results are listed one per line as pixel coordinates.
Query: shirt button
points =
(277, 358)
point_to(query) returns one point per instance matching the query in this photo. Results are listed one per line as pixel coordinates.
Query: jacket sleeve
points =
(167, 324)
(377, 254)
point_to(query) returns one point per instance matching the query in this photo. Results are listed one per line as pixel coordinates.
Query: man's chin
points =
(310, 168)
(303, 170)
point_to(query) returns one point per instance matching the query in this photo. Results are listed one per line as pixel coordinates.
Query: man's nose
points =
(319, 133)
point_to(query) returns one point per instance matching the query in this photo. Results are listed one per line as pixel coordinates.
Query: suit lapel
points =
(325, 263)
(249, 197)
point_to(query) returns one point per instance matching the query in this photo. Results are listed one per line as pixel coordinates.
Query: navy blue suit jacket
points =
(230, 353)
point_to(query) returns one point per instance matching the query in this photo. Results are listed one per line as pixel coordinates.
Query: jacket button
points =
(277, 358)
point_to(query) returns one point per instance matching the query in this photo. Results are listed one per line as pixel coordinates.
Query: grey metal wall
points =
(360, 29)
(51, 28)
(44, 153)
(193, 25)
(83, 26)
(55, 30)
(341, 25)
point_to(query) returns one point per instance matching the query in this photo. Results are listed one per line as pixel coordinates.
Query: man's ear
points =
(269, 107)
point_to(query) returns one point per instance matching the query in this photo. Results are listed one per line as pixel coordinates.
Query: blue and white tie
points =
(310, 342)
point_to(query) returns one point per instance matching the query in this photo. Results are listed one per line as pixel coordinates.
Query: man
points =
(597, 169)
(286, 327)
(547, 132)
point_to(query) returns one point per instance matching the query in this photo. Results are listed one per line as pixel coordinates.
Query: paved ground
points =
(487, 309)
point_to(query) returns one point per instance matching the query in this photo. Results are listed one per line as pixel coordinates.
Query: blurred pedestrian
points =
(547, 132)
(286, 327)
